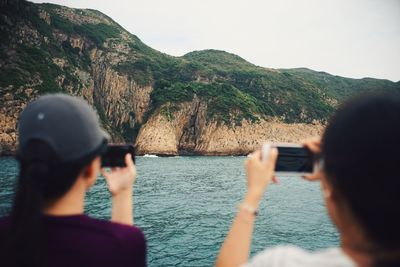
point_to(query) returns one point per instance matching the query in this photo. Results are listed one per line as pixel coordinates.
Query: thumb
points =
(129, 160)
(273, 155)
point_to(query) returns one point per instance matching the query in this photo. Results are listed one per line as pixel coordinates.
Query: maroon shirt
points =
(79, 240)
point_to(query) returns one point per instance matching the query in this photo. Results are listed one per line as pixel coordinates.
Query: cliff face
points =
(187, 132)
(9, 111)
(119, 100)
(206, 102)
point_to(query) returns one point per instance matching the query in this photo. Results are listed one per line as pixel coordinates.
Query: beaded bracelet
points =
(248, 208)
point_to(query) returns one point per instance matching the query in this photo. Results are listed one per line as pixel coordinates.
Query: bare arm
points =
(236, 248)
(122, 207)
(120, 184)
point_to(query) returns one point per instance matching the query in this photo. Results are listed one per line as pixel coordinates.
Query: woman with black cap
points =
(60, 144)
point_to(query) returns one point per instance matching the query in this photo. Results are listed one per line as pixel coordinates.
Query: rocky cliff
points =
(83, 67)
(206, 102)
(187, 132)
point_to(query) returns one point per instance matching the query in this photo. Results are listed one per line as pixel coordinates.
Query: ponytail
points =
(42, 179)
(25, 236)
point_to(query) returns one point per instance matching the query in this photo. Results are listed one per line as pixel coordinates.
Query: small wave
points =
(150, 156)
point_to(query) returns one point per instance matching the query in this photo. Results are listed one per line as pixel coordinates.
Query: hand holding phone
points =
(292, 158)
(120, 184)
(119, 179)
(259, 175)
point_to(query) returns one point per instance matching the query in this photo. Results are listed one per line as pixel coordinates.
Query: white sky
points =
(351, 38)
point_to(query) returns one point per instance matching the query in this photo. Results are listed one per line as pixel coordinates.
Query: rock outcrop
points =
(187, 132)
(10, 109)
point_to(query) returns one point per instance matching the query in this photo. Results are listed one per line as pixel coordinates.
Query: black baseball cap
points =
(66, 123)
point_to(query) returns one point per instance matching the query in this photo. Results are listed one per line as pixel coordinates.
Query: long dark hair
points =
(361, 149)
(42, 179)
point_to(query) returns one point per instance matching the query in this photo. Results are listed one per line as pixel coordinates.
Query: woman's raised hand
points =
(120, 179)
(259, 174)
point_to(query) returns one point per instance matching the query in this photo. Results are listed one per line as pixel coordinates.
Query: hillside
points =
(206, 102)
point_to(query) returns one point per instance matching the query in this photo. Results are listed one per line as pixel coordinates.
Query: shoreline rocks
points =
(188, 132)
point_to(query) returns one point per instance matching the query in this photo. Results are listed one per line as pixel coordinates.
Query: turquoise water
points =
(185, 206)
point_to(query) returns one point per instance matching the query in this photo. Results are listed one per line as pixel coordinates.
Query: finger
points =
(251, 155)
(314, 144)
(312, 177)
(314, 148)
(129, 161)
(273, 155)
(257, 154)
(275, 180)
(250, 163)
(315, 139)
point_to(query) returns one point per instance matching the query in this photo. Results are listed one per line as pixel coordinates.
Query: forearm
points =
(122, 207)
(236, 248)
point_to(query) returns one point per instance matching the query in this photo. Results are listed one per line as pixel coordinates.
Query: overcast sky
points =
(351, 38)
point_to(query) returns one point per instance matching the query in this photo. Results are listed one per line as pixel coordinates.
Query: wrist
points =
(248, 208)
(122, 192)
(253, 198)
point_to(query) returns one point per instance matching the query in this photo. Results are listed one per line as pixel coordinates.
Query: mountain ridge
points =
(139, 92)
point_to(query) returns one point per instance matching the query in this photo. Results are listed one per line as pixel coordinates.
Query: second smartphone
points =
(292, 158)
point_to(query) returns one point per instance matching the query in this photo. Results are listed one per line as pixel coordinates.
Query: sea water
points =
(185, 206)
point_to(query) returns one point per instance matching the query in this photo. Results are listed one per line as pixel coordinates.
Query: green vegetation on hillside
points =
(232, 88)
(37, 62)
(97, 33)
(220, 61)
(150, 66)
(225, 102)
(33, 63)
(338, 87)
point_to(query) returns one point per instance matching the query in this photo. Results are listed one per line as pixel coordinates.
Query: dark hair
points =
(361, 151)
(42, 179)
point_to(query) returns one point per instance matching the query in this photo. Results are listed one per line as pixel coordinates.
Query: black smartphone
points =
(294, 158)
(115, 155)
